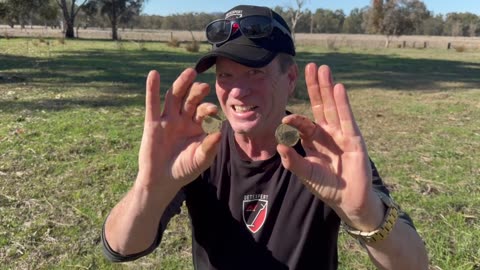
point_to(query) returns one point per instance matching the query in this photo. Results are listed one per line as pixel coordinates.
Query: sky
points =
(163, 7)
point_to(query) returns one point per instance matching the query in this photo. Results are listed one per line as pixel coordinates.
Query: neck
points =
(256, 148)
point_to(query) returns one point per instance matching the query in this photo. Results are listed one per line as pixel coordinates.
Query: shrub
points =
(460, 48)
(173, 42)
(193, 46)
(331, 45)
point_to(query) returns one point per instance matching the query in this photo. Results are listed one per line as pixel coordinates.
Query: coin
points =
(212, 123)
(287, 135)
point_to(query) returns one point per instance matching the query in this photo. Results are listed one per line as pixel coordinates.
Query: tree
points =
(373, 17)
(395, 17)
(19, 11)
(295, 14)
(353, 23)
(116, 11)
(328, 21)
(3, 10)
(304, 23)
(433, 26)
(461, 24)
(418, 13)
(69, 11)
(49, 12)
(472, 29)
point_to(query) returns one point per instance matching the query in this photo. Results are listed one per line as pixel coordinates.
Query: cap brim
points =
(241, 50)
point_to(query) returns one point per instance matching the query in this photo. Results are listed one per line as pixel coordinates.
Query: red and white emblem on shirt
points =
(255, 211)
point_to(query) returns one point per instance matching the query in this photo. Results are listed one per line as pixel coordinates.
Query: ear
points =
(292, 78)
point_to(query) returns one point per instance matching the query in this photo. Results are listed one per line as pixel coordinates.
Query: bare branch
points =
(78, 9)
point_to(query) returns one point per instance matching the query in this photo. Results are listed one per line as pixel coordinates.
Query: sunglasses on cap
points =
(255, 26)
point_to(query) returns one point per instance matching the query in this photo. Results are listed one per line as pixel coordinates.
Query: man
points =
(254, 203)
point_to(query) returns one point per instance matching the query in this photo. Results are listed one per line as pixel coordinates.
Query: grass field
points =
(71, 117)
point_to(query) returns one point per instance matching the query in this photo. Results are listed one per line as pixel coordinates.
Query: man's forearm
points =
(132, 225)
(402, 249)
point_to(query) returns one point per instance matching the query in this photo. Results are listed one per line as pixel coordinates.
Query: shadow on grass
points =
(63, 104)
(124, 71)
(395, 73)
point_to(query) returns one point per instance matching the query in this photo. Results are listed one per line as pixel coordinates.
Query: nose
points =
(239, 91)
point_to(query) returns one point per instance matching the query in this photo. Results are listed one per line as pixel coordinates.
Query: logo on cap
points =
(234, 14)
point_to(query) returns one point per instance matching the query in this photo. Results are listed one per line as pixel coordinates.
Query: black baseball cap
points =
(256, 52)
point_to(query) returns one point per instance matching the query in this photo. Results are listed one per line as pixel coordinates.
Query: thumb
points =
(208, 150)
(293, 162)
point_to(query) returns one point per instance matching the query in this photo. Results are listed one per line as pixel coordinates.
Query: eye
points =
(222, 75)
(253, 72)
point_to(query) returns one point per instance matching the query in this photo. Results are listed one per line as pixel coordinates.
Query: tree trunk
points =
(114, 29)
(69, 31)
(387, 42)
(114, 21)
(114, 32)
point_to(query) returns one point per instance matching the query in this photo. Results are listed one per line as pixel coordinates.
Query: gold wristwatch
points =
(384, 229)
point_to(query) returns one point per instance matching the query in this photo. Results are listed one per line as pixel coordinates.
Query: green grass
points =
(71, 119)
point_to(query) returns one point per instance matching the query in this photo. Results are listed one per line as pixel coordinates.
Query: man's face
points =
(253, 99)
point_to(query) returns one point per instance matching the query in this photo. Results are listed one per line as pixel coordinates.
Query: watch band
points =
(384, 229)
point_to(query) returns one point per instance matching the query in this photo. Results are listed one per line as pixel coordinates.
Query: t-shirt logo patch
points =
(255, 211)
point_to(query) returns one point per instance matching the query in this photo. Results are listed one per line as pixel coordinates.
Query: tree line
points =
(68, 14)
(386, 17)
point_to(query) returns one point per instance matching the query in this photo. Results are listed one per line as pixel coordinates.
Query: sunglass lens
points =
(218, 31)
(256, 26)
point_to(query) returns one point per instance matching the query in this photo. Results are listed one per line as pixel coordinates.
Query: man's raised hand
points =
(174, 148)
(336, 167)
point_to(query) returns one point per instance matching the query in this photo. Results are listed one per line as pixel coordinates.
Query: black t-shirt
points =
(254, 215)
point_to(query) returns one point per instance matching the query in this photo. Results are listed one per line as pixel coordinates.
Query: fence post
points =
(424, 44)
(449, 45)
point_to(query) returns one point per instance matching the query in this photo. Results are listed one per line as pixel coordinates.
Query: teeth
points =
(243, 108)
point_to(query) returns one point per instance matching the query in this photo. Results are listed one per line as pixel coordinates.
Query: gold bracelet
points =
(384, 229)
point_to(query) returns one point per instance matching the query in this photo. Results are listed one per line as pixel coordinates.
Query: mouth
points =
(243, 109)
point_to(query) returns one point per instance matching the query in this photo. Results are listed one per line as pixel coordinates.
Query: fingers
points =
(313, 88)
(312, 134)
(152, 97)
(176, 95)
(185, 95)
(330, 104)
(345, 114)
(203, 110)
(326, 90)
(320, 90)
(305, 126)
(197, 93)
